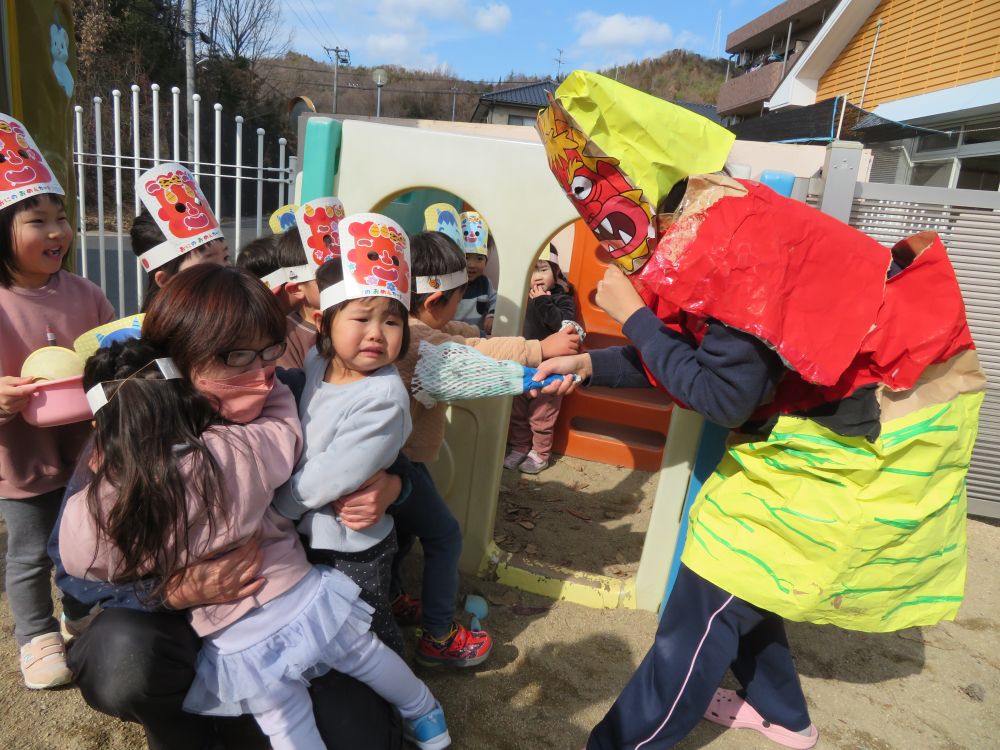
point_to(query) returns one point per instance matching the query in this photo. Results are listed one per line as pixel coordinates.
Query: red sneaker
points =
(460, 648)
(407, 610)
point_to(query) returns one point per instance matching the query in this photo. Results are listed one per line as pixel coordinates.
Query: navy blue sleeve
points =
(617, 367)
(403, 469)
(724, 379)
(294, 378)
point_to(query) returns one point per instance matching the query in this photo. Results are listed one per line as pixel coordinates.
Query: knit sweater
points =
(300, 338)
(428, 424)
(254, 460)
(36, 460)
(544, 314)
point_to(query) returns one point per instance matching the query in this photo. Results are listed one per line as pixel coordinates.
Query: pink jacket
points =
(255, 459)
(36, 460)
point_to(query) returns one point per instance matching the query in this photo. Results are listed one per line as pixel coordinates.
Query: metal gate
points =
(969, 224)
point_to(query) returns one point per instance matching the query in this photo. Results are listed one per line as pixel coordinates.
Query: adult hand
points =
(221, 579)
(616, 295)
(15, 392)
(367, 505)
(578, 364)
(561, 343)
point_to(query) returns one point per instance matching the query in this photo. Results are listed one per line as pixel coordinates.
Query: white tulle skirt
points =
(298, 636)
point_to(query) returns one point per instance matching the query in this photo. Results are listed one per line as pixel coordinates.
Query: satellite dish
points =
(380, 76)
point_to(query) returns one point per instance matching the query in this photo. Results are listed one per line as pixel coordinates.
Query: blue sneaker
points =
(428, 732)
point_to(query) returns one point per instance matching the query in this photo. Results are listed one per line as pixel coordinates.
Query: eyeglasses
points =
(243, 357)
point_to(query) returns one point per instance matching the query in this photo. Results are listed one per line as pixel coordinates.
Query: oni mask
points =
(612, 207)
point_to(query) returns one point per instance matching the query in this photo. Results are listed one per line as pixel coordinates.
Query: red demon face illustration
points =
(20, 164)
(180, 204)
(323, 240)
(608, 202)
(379, 256)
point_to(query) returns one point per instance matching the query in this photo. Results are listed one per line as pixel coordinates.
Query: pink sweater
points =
(255, 459)
(35, 460)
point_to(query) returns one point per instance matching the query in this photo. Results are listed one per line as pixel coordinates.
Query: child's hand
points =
(488, 325)
(578, 364)
(14, 393)
(616, 295)
(562, 343)
(538, 290)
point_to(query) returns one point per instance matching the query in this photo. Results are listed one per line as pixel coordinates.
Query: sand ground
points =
(557, 667)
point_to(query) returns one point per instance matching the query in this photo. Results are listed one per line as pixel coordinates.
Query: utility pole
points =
(559, 62)
(339, 57)
(454, 96)
(189, 74)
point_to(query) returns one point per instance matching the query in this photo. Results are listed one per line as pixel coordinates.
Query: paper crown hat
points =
(174, 199)
(317, 223)
(375, 253)
(617, 151)
(283, 218)
(23, 169)
(467, 229)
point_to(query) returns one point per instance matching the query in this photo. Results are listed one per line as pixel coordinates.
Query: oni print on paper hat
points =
(474, 233)
(375, 253)
(318, 221)
(173, 197)
(23, 169)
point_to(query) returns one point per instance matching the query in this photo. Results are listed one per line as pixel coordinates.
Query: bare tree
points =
(244, 30)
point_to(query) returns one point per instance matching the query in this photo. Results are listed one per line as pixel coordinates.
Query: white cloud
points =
(491, 19)
(399, 49)
(619, 32)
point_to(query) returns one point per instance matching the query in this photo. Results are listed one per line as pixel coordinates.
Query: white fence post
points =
(117, 103)
(260, 178)
(82, 235)
(156, 124)
(282, 176)
(196, 109)
(135, 149)
(176, 94)
(239, 176)
(99, 153)
(218, 162)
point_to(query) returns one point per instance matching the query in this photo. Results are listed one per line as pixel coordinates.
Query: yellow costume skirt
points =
(819, 527)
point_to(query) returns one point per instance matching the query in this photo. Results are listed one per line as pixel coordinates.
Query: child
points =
(271, 259)
(165, 245)
(439, 279)
(550, 302)
(188, 453)
(479, 301)
(42, 304)
(355, 418)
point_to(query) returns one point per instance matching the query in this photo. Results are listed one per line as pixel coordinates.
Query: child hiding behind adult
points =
(187, 455)
(355, 418)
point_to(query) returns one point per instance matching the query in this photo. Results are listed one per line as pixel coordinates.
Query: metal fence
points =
(968, 222)
(142, 137)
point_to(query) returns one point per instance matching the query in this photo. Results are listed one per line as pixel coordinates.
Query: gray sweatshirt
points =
(350, 432)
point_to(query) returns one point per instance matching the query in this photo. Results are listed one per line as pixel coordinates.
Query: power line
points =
(307, 26)
(325, 22)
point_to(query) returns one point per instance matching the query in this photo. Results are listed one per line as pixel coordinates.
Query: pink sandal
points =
(729, 710)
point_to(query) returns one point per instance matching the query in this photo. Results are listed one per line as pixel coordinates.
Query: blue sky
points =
(487, 39)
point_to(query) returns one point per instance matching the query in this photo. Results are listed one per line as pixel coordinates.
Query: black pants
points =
(704, 631)
(138, 666)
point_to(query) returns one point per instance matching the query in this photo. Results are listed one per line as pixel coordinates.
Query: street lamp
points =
(380, 77)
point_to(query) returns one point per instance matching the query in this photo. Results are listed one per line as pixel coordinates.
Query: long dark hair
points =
(148, 448)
